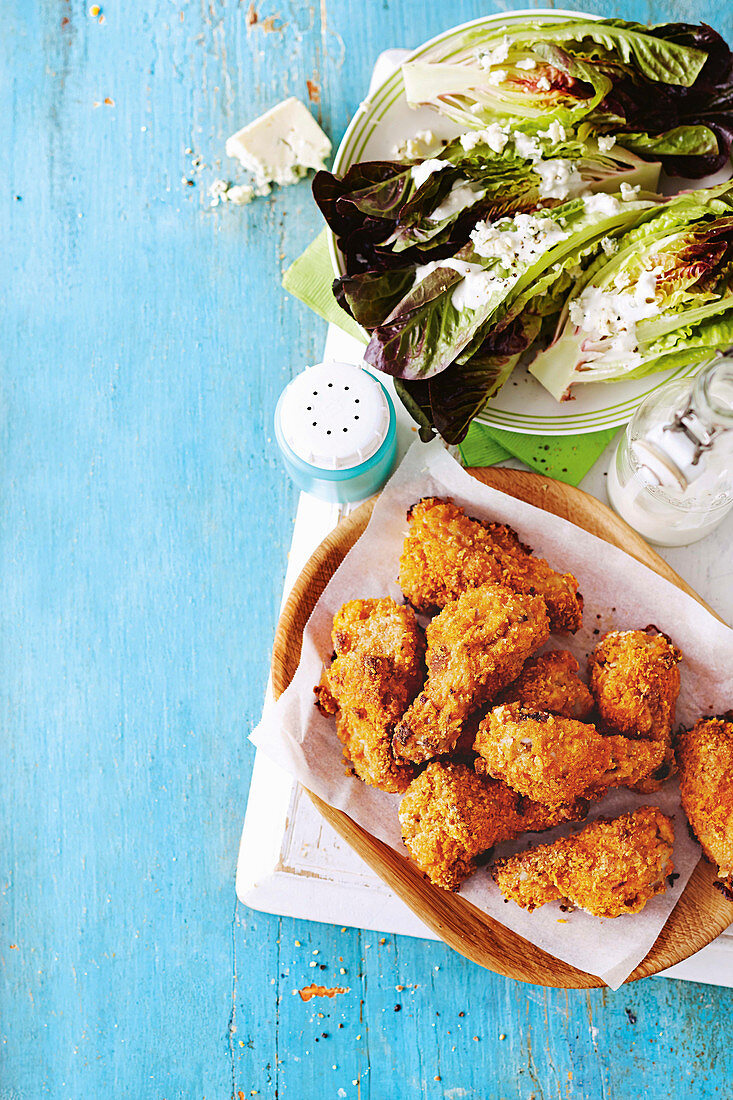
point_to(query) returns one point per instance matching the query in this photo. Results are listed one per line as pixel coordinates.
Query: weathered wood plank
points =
(146, 523)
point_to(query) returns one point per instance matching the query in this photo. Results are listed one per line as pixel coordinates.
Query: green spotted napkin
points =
(567, 458)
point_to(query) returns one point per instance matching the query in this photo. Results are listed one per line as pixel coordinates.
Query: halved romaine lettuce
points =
(649, 81)
(666, 289)
(456, 302)
(391, 214)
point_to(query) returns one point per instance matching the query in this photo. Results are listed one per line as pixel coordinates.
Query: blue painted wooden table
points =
(145, 530)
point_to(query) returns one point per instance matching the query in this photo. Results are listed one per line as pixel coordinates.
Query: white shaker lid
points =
(334, 416)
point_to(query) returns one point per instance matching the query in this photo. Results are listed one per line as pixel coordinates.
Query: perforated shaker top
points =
(334, 416)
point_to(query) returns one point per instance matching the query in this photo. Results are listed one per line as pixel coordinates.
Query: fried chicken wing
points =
(446, 553)
(635, 681)
(610, 868)
(556, 760)
(476, 646)
(705, 761)
(450, 817)
(550, 682)
(377, 670)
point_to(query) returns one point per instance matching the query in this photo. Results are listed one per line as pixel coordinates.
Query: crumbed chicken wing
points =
(556, 760)
(550, 682)
(450, 817)
(476, 646)
(705, 761)
(610, 868)
(445, 553)
(377, 670)
(635, 682)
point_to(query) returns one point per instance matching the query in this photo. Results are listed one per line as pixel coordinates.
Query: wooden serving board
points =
(701, 913)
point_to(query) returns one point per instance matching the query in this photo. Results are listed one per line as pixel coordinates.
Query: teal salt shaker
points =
(335, 426)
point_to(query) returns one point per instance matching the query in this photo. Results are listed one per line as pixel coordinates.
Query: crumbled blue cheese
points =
(517, 240)
(610, 317)
(601, 204)
(629, 193)
(609, 245)
(488, 58)
(240, 194)
(280, 146)
(555, 132)
(495, 136)
(558, 178)
(418, 147)
(460, 197)
(525, 146)
(606, 142)
(496, 76)
(543, 84)
(527, 63)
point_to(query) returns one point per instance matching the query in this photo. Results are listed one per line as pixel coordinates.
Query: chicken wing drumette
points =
(556, 760)
(705, 761)
(450, 817)
(610, 868)
(377, 670)
(550, 682)
(476, 646)
(445, 553)
(635, 682)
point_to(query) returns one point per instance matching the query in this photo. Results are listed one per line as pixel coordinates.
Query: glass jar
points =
(671, 477)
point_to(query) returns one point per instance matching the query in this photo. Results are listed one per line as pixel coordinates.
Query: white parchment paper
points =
(619, 593)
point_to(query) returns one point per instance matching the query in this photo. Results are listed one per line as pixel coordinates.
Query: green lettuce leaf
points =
(666, 289)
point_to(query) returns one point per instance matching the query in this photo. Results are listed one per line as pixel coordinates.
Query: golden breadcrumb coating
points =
(377, 670)
(450, 817)
(610, 868)
(705, 761)
(635, 682)
(445, 553)
(554, 759)
(550, 682)
(476, 646)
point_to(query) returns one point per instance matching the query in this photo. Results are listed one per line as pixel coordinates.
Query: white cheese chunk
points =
(558, 178)
(606, 142)
(555, 132)
(495, 136)
(281, 145)
(517, 241)
(526, 146)
(499, 53)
